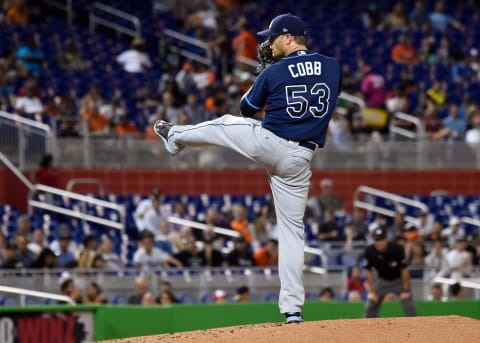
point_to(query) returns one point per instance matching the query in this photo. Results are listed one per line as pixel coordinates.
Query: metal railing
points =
(25, 141)
(418, 134)
(353, 99)
(65, 5)
(395, 129)
(81, 211)
(96, 19)
(71, 183)
(24, 292)
(390, 196)
(181, 50)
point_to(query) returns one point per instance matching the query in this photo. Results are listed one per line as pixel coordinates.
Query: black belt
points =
(307, 144)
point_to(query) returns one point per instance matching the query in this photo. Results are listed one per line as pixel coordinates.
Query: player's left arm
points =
(254, 99)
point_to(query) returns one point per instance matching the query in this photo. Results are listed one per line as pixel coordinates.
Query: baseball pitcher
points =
(297, 89)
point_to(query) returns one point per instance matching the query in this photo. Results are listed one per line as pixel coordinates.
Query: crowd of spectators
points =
(427, 72)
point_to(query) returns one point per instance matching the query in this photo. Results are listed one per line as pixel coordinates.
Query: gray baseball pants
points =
(288, 168)
(384, 287)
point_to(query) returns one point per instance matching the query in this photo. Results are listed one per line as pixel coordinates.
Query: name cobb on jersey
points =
(305, 68)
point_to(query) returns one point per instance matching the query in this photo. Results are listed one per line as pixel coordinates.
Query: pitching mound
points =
(453, 329)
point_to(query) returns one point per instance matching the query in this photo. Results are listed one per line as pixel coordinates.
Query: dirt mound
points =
(446, 329)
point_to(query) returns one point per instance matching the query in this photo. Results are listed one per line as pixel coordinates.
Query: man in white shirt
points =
(459, 260)
(28, 103)
(135, 60)
(453, 232)
(150, 212)
(148, 257)
(38, 242)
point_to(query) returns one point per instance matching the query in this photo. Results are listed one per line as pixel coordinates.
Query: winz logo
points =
(41, 328)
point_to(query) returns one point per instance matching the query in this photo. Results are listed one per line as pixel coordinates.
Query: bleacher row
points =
(336, 28)
(441, 207)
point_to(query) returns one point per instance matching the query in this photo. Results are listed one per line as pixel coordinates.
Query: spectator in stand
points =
(241, 255)
(9, 257)
(38, 242)
(373, 87)
(64, 232)
(211, 256)
(115, 109)
(24, 226)
(45, 259)
(148, 257)
(94, 294)
(459, 260)
(240, 222)
(69, 288)
(326, 294)
(243, 295)
(244, 46)
(436, 260)
(453, 232)
(436, 232)
(135, 59)
(372, 17)
(265, 224)
(398, 102)
(29, 104)
(195, 112)
(24, 256)
(267, 255)
(329, 230)
(404, 52)
(46, 173)
(30, 58)
(150, 212)
(126, 127)
(436, 292)
(219, 296)
(434, 129)
(472, 137)
(189, 255)
(440, 21)
(415, 254)
(96, 122)
(355, 281)
(455, 125)
(418, 18)
(164, 237)
(166, 295)
(397, 19)
(16, 12)
(112, 259)
(457, 291)
(328, 200)
(425, 224)
(142, 285)
(70, 58)
(179, 211)
(87, 253)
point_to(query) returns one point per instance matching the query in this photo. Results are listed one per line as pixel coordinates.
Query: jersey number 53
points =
(301, 100)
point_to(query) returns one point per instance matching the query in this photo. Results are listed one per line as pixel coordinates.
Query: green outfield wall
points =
(52, 324)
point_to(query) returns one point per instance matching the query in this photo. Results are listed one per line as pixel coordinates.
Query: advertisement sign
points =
(46, 327)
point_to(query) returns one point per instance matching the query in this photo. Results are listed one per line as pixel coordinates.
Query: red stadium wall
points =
(249, 181)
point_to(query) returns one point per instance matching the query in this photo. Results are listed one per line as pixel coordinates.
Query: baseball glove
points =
(264, 56)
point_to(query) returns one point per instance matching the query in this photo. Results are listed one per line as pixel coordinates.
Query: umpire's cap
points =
(379, 233)
(283, 24)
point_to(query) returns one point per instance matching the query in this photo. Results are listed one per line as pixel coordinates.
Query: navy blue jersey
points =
(300, 93)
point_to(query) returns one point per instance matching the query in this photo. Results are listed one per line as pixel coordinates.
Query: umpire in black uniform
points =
(392, 275)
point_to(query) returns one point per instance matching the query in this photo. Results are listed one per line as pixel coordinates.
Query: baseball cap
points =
(379, 233)
(283, 24)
